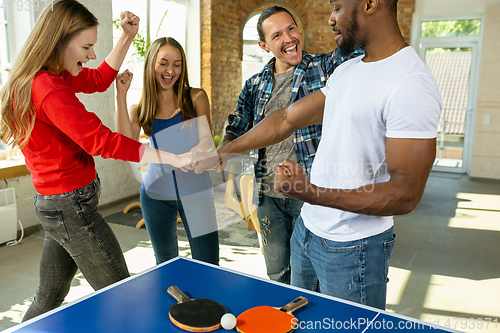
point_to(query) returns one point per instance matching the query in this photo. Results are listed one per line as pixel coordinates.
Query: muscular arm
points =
(409, 162)
(280, 125)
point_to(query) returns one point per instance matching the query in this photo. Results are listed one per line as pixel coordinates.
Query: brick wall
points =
(221, 34)
(405, 12)
(318, 34)
(221, 47)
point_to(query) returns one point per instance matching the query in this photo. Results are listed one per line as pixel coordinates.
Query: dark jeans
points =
(76, 237)
(199, 219)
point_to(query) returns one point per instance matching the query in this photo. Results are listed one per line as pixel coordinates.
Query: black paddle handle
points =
(176, 293)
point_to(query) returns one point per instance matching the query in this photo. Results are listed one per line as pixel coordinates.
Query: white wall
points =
(486, 152)
(116, 176)
(452, 8)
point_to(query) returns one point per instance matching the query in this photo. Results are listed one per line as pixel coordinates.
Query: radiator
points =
(8, 215)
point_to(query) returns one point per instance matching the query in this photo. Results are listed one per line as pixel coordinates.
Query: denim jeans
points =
(354, 270)
(76, 236)
(197, 213)
(277, 219)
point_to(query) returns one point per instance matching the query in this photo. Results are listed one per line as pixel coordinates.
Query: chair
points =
(240, 200)
(246, 188)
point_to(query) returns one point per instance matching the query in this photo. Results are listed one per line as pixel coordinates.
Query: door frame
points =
(474, 42)
(471, 102)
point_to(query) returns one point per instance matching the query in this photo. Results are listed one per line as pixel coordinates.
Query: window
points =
(4, 47)
(166, 18)
(451, 28)
(4, 62)
(254, 58)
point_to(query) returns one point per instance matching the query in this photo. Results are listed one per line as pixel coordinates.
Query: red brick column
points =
(221, 57)
(405, 13)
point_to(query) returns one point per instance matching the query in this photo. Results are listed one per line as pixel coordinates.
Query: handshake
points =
(290, 178)
(200, 161)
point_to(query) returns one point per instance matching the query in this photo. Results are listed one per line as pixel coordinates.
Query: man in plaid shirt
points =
(289, 76)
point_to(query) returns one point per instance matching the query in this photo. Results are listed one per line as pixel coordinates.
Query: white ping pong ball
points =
(228, 321)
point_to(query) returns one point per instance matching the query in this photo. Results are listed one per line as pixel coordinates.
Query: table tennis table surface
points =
(141, 303)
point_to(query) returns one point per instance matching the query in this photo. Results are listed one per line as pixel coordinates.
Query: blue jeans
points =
(354, 270)
(160, 217)
(76, 236)
(277, 219)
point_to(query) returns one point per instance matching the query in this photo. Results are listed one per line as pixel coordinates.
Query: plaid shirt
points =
(310, 75)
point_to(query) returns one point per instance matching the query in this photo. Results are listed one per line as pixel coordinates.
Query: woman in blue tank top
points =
(176, 119)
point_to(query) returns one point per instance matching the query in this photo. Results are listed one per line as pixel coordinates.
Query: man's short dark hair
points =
(268, 12)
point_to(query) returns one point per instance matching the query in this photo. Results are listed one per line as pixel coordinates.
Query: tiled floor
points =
(445, 266)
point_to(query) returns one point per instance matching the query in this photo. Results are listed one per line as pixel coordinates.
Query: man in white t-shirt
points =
(379, 114)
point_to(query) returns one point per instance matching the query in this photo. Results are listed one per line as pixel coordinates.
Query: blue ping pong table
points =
(141, 303)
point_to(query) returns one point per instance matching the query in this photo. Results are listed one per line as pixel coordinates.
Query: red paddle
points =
(266, 319)
(194, 315)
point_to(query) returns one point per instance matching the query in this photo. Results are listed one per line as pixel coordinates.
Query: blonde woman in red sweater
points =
(58, 137)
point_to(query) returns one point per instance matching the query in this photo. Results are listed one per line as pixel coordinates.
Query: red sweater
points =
(66, 136)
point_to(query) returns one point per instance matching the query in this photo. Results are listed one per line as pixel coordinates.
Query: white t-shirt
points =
(396, 97)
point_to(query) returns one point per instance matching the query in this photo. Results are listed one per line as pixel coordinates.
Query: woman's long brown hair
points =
(44, 49)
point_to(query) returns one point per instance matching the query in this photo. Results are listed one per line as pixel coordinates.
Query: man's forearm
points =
(381, 199)
(226, 139)
(271, 130)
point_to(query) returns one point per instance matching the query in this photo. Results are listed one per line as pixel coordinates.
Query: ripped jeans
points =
(276, 220)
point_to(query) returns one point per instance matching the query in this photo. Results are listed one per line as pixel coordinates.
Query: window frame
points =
(4, 46)
(420, 43)
(10, 32)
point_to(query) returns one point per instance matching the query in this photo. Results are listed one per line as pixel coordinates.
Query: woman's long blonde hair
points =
(148, 104)
(44, 49)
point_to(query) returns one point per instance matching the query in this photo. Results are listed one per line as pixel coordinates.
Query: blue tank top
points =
(164, 181)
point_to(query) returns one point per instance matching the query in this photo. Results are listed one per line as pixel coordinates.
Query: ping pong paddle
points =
(194, 315)
(266, 319)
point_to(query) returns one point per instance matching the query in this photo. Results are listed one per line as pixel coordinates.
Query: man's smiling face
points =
(284, 40)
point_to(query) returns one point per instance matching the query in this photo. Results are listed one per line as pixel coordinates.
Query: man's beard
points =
(349, 41)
